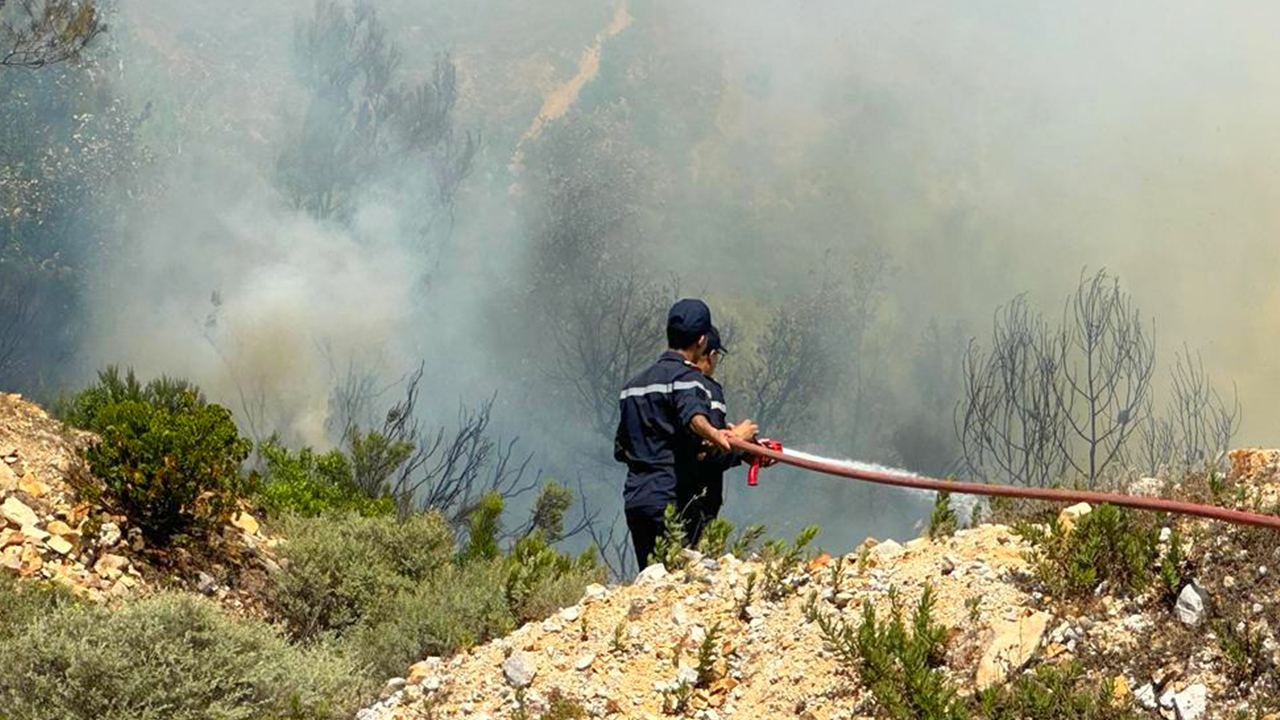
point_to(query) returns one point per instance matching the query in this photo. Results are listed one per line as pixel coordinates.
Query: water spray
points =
(775, 452)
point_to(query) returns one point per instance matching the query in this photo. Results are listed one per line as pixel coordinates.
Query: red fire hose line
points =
(1238, 517)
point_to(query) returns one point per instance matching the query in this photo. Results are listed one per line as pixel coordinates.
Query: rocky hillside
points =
(707, 641)
(52, 527)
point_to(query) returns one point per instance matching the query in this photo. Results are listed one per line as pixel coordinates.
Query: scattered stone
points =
(205, 583)
(420, 671)
(245, 522)
(393, 686)
(57, 527)
(1010, 645)
(1191, 604)
(571, 614)
(31, 486)
(1146, 696)
(17, 512)
(886, 551)
(584, 661)
(1069, 516)
(110, 566)
(108, 535)
(652, 575)
(520, 668)
(59, 544)
(1191, 702)
(595, 592)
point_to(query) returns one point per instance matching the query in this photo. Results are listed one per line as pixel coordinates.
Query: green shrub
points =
(24, 601)
(170, 460)
(457, 608)
(1052, 692)
(484, 522)
(745, 543)
(1109, 544)
(715, 537)
(308, 484)
(82, 409)
(670, 543)
(176, 657)
(942, 519)
(780, 558)
(339, 567)
(540, 579)
(374, 459)
(554, 500)
(900, 666)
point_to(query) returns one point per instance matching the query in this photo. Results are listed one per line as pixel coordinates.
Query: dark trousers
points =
(696, 518)
(645, 525)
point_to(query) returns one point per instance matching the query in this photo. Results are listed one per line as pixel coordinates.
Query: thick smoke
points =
(935, 160)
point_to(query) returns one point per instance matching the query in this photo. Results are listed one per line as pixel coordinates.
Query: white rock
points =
(885, 551)
(519, 669)
(570, 614)
(1191, 702)
(1166, 699)
(584, 661)
(205, 583)
(1146, 696)
(108, 534)
(16, 512)
(1191, 603)
(652, 575)
(551, 625)
(687, 674)
(393, 686)
(595, 592)
(679, 615)
(1165, 534)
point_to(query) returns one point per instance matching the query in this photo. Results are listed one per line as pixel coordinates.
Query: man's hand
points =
(716, 436)
(745, 430)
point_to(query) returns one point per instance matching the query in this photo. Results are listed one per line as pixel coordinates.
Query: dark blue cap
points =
(713, 341)
(688, 320)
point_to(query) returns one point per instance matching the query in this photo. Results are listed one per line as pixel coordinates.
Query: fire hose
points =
(773, 450)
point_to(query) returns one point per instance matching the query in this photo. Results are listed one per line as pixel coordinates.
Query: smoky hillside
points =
(1026, 242)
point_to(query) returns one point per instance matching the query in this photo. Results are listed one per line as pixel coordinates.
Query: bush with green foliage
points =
(554, 500)
(456, 608)
(540, 579)
(780, 558)
(337, 568)
(24, 602)
(484, 523)
(669, 545)
(1052, 692)
(177, 657)
(168, 459)
(309, 484)
(942, 519)
(902, 666)
(1109, 544)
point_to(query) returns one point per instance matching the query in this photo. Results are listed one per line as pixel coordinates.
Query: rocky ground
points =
(623, 651)
(51, 528)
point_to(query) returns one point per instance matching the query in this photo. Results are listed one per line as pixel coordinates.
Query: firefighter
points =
(665, 415)
(701, 493)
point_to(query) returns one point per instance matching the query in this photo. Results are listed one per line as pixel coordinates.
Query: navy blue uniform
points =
(655, 442)
(701, 493)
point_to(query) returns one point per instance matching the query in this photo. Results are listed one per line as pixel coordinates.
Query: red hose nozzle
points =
(753, 472)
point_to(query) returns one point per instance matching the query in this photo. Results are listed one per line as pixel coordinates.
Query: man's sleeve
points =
(619, 447)
(690, 395)
(722, 461)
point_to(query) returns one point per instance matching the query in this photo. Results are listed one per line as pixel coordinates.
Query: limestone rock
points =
(57, 527)
(245, 522)
(420, 671)
(520, 669)
(595, 592)
(1069, 516)
(393, 686)
(1191, 604)
(652, 575)
(59, 544)
(1012, 643)
(110, 566)
(1191, 703)
(886, 551)
(108, 535)
(17, 512)
(584, 661)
